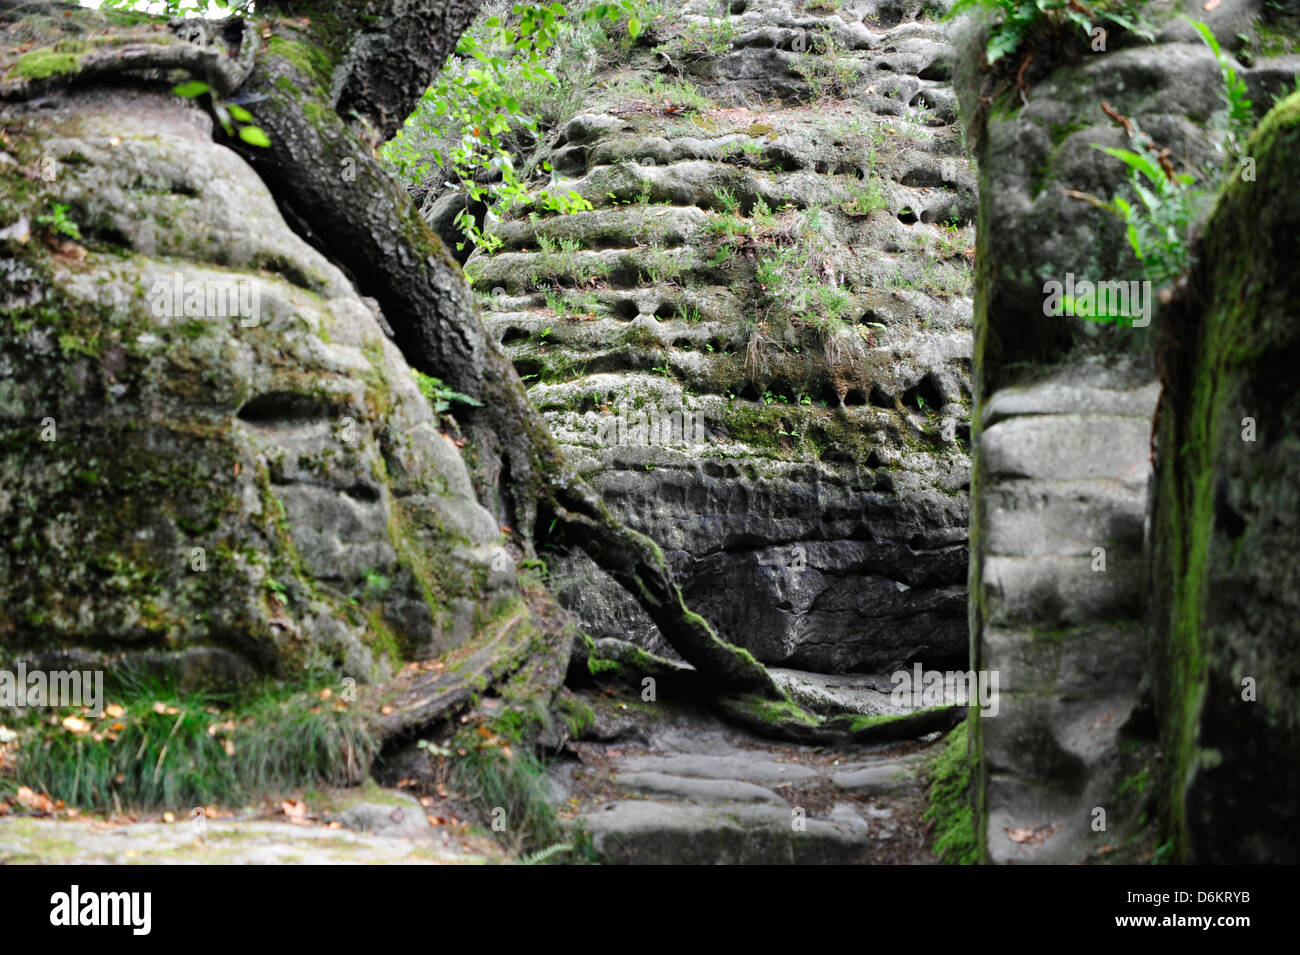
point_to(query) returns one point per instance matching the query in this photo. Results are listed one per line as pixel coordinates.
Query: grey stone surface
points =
(875, 780)
(754, 768)
(736, 834)
(697, 789)
(387, 818)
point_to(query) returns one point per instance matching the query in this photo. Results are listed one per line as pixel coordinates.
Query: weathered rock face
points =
(1062, 437)
(215, 463)
(779, 249)
(1225, 579)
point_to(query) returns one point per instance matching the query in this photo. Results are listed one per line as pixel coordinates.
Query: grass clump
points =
(156, 747)
(494, 767)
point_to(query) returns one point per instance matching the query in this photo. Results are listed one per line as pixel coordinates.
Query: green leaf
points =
(254, 136)
(191, 89)
(241, 114)
(1137, 161)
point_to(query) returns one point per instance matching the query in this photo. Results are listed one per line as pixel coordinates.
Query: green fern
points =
(439, 395)
(1159, 223)
(1241, 111)
(1158, 227)
(543, 855)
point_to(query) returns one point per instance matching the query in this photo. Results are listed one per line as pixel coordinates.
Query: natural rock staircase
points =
(675, 785)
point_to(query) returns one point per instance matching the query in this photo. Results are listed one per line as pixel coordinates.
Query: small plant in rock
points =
(56, 222)
(439, 396)
(376, 583)
(699, 39)
(866, 201)
(727, 200)
(1161, 222)
(827, 68)
(1240, 114)
(662, 267)
(722, 258)
(664, 95)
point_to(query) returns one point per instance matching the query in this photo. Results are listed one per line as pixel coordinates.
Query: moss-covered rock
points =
(1226, 515)
(215, 462)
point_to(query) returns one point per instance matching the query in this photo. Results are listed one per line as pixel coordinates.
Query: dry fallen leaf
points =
(75, 724)
(38, 802)
(1032, 836)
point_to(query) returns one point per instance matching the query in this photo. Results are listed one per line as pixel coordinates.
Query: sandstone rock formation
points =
(779, 247)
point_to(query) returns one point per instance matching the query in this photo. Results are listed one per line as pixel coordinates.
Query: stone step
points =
(646, 832)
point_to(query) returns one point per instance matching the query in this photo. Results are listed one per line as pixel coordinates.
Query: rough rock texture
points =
(212, 491)
(89, 842)
(778, 247)
(1062, 433)
(1225, 578)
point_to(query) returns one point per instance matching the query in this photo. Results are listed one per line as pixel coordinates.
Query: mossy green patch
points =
(39, 64)
(951, 807)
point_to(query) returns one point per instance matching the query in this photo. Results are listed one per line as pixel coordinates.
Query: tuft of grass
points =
(170, 749)
(504, 780)
(866, 200)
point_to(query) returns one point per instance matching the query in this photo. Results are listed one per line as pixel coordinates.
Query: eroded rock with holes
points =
(757, 341)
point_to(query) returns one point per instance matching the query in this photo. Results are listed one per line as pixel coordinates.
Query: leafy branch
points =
(475, 102)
